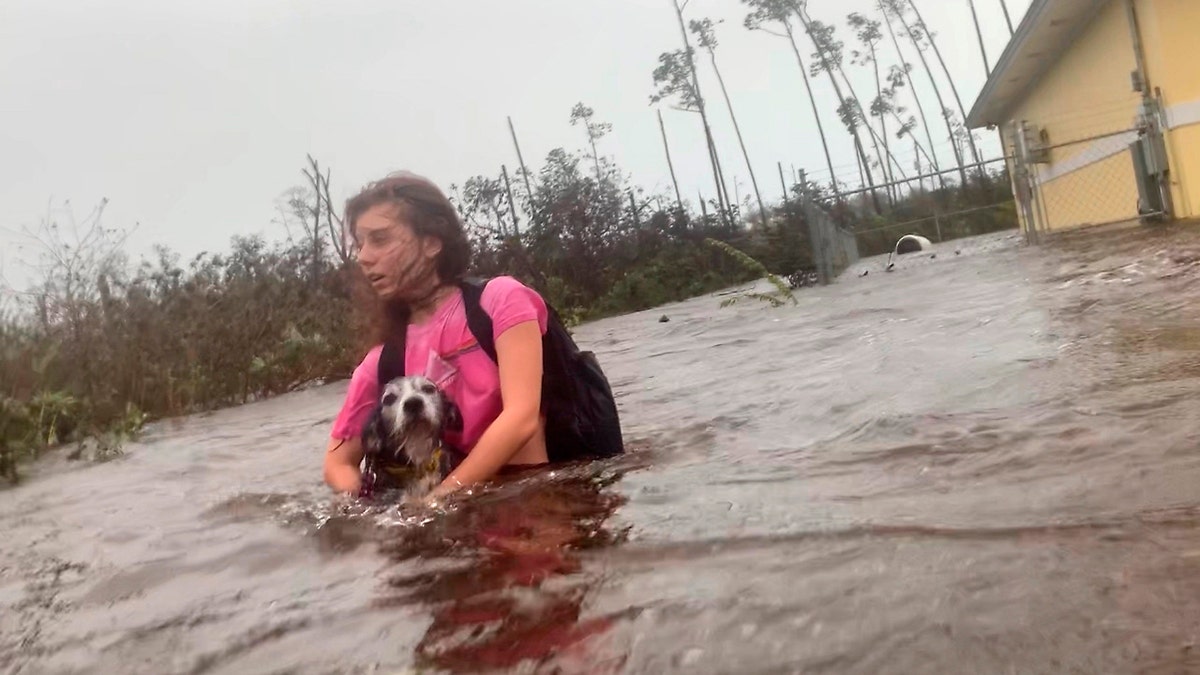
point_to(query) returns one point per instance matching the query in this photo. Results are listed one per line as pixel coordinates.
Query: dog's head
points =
(408, 424)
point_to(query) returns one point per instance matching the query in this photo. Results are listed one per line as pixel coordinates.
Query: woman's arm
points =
(342, 458)
(519, 354)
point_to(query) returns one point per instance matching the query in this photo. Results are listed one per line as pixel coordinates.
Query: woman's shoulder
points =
(502, 289)
(509, 301)
(369, 366)
(505, 283)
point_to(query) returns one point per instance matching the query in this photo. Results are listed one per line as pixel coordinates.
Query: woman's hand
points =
(342, 459)
(519, 353)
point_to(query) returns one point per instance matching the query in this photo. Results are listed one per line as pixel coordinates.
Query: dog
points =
(403, 444)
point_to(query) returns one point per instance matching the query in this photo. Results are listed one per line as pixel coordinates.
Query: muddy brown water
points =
(983, 462)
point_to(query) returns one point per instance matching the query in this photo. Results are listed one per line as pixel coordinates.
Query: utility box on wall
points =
(1149, 154)
(1037, 142)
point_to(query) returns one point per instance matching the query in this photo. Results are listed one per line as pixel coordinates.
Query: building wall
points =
(1170, 31)
(1080, 102)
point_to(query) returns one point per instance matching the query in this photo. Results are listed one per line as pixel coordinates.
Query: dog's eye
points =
(428, 389)
(389, 399)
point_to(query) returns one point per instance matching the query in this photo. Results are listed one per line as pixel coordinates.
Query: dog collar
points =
(432, 465)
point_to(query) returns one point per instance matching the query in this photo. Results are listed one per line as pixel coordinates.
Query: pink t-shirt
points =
(444, 350)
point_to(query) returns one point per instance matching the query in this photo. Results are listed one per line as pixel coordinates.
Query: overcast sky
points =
(192, 118)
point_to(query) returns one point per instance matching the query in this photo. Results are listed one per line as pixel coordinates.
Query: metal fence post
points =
(1025, 185)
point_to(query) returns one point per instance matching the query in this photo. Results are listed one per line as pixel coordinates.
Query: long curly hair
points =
(421, 205)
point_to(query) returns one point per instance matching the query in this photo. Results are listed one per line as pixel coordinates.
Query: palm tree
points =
(676, 76)
(895, 8)
(708, 41)
(905, 71)
(868, 34)
(767, 12)
(953, 88)
(829, 55)
(595, 131)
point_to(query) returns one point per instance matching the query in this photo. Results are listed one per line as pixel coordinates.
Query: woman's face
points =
(399, 264)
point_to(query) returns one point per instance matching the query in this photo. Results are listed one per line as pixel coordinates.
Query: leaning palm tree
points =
(897, 79)
(676, 77)
(904, 70)
(768, 13)
(707, 40)
(896, 9)
(829, 57)
(928, 36)
(884, 105)
(869, 35)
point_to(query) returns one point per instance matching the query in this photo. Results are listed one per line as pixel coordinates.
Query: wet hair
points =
(421, 205)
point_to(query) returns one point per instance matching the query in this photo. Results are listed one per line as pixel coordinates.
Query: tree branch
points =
(770, 32)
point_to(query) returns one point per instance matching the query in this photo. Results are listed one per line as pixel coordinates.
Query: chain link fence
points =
(1103, 173)
(1091, 181)
(939, 226)
(834, 248)
(871, 221)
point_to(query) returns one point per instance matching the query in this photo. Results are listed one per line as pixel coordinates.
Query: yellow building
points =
(1098, 104)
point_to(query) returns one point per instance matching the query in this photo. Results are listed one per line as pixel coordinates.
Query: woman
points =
(412, 249)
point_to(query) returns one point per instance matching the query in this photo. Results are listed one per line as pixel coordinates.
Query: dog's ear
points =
(451, 416)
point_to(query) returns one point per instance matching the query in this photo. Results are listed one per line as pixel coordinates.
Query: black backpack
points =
(577, 400)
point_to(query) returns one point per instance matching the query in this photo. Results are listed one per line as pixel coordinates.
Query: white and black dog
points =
(403, 446)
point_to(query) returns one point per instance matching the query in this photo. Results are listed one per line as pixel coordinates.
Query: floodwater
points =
(984, 462)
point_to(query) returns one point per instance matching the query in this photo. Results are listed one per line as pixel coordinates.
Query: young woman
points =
(412, 250)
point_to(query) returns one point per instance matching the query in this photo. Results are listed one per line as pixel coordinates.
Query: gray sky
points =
(192, 118)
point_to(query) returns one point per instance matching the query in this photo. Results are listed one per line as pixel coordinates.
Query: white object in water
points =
(912, 243)
(909, 243)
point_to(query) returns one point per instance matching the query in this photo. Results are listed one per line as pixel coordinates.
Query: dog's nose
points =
(413, 406)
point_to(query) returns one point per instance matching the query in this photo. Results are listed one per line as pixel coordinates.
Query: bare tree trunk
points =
(987, 67)
(862, 178)
(953, 88)
(712, 144)
(1007, 18)
(853, 129)
(882, 122)
(333, 223)
(866, 120)
(595, 155)
(936, 92)
(722, 197)
(512, 204)
(932, 154)
(813, 102)
(762, 210)
(891, 159)
(670, 165)
(920, 181)
(524, 171)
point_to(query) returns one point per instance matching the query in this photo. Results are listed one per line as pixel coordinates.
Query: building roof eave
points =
(1048, 29)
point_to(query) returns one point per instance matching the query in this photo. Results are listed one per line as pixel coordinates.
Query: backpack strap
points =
(391, 359)
(478, 319)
